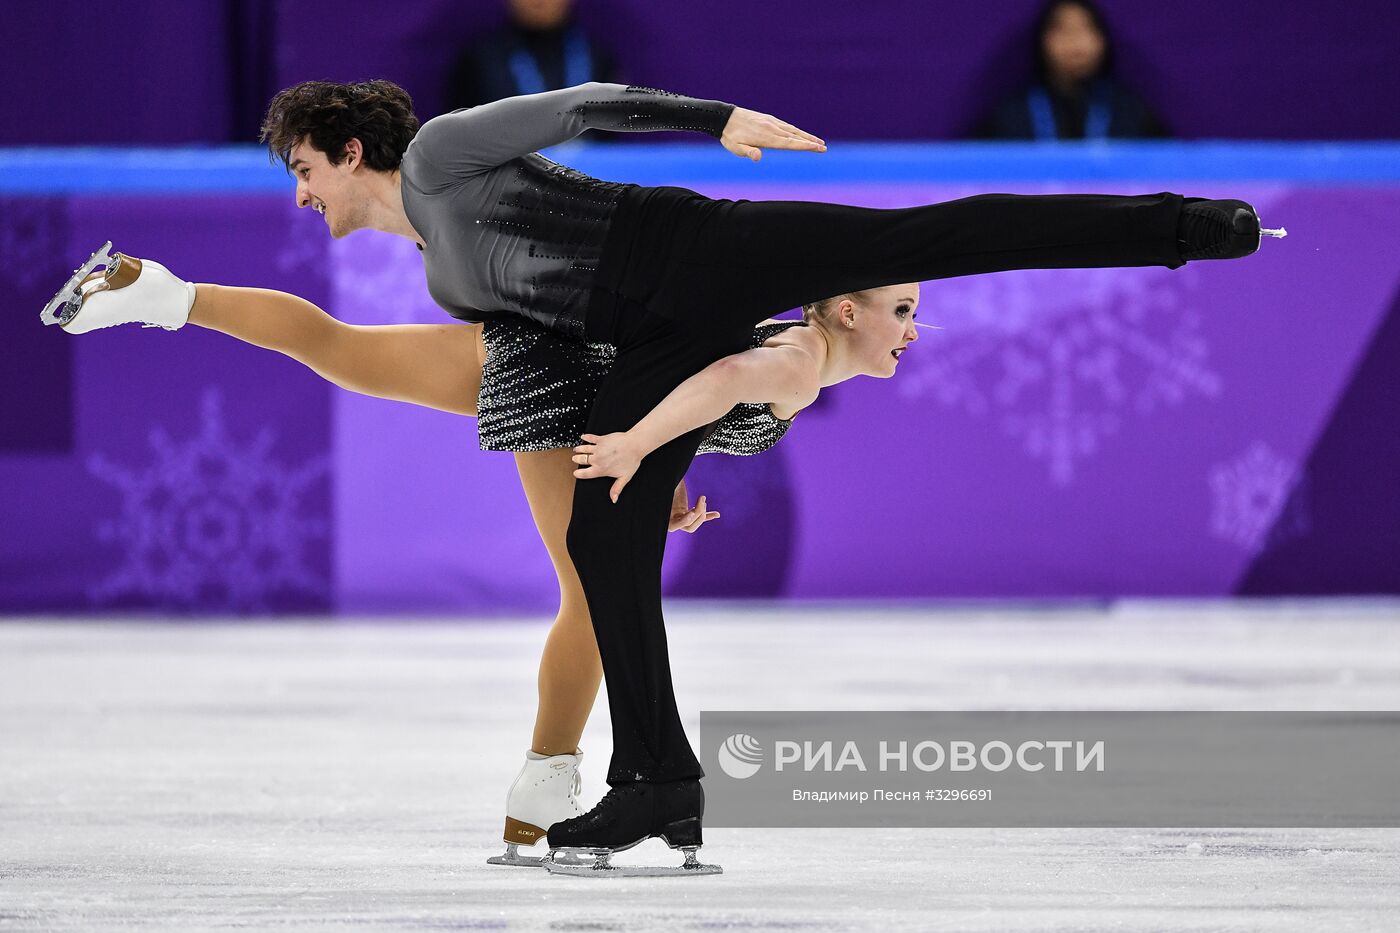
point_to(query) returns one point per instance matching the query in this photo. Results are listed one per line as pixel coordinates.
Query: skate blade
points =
(514, 859)
(631, 871)
(601, 867)
(69, 297)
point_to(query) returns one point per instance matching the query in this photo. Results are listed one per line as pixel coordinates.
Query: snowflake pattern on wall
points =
(211, 523)
(1259, 500)
(31, 240)
(1060, 358)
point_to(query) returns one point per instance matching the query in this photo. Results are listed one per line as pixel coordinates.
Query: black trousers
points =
(682, 281)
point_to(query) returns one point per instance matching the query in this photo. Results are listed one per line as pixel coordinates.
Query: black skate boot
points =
(628, 815)
(1219, 229)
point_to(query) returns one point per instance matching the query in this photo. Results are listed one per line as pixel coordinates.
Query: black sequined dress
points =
(537, 388)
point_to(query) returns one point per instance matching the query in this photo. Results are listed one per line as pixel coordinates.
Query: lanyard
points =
(1043, 116)
(578, 65)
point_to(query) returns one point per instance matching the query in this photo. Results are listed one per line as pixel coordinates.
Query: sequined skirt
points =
(537, 387)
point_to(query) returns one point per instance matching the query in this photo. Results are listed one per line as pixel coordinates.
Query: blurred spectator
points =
(1075, 94)
(540, 48)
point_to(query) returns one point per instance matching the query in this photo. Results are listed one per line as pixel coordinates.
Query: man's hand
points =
(683, 517)
(607, 455)
(749, 132)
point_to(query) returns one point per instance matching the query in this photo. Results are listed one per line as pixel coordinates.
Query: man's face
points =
(330, 190)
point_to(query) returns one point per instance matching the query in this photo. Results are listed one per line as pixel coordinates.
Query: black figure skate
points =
(1220, 230)
(629, 815)
(127, 291)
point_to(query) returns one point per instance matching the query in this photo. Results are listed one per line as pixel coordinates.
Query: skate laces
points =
(613, 796)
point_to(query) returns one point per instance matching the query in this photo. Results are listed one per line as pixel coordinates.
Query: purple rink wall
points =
(1223, 429)
(896, 69)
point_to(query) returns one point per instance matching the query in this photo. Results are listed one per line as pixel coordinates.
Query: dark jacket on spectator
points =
(513, 60)
(1105, 109)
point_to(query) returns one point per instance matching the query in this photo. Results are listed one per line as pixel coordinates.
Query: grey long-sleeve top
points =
(510, 232)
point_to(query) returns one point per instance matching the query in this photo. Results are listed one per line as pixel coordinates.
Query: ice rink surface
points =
(301, 775)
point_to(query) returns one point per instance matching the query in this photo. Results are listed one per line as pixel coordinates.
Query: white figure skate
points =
(545, 792)
(127, 291)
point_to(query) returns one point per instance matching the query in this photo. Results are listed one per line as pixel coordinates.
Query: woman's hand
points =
(683, 517)
(749, 132)
(607, 455)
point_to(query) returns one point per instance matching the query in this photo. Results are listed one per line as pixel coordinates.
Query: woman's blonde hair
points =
(821, 310)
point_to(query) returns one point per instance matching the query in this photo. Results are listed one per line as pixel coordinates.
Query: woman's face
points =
(883, 326)
(1074, 47)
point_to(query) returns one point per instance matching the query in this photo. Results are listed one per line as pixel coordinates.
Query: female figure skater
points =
(675, 281)
(785, 374)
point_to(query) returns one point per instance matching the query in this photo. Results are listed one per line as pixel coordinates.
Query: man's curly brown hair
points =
(378, 113)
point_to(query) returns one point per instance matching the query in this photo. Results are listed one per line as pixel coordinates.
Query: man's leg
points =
(744, 261)
(618, 547)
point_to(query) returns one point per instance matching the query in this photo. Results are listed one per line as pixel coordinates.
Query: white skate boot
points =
(545, 792)
(128, 291)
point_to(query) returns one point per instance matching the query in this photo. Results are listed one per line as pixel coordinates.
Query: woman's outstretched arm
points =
(434, 365)
(786, 376)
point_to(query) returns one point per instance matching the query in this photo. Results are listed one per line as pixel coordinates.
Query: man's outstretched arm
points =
(477, 139)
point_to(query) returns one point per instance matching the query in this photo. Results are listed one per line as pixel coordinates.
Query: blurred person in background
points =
(539, 48)
(1075, 94)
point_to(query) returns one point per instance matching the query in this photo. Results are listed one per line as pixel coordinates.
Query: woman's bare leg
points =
(434, 365)
(570, 671)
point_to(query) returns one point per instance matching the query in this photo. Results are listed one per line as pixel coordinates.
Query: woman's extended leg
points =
(570, 671)
(434, 365)
(438, 366)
